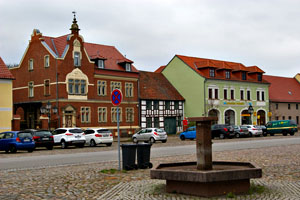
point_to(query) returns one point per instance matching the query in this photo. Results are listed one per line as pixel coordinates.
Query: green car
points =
(281, 126)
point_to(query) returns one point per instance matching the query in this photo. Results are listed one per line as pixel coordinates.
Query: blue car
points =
(189, 133)
(16, 140)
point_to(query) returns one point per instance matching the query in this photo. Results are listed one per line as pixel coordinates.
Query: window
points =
(242, 94)
(85, 114)
(210, 93)
(297, 119)
(149, 105)
(248, 95)
(148, 122)
(129, 115)
(216, 94)
(276, 118)
(156, 105)
(212, 72)
(115, 85)
(102, 114)
(114, 114)
(231, 94)
(259, 77)
(296, 106)
(244, 76)
(100, 64)
(276, 105)
(227, 74)
(128, 89)
(263, 96)
(77, 87)
(128, 67)
(289, 106)
(167, 105)
(225, 93)
(101, 88)
(30, 89)
(257, 95)
(77, 59)
(176, 105)
(156, 122)
(47, 87)
(290, 117)
(30, 65)
(47, 61)
(283, 117)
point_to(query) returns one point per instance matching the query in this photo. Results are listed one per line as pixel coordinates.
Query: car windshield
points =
(159, 130)
(43, 133)
(243, 126)
(24, 135)
(75, 130)
(103, 131)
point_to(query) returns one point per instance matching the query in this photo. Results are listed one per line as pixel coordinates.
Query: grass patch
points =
(259, 189)
(111, 171)
(158, 189)
(230, 195)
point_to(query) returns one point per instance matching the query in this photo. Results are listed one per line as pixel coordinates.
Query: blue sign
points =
(116, 97)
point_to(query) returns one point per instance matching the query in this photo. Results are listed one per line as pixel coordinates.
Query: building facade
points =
(161, 105)
(76, 78)
(284, 98)
(6, 103)
(220, 88)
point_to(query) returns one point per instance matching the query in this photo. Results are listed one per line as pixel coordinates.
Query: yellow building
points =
(6, 100)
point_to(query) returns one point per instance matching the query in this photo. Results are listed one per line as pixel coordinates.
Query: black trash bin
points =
(143, 156)
(128, 156)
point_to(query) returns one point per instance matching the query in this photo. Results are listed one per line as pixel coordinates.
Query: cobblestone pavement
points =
(280, 165)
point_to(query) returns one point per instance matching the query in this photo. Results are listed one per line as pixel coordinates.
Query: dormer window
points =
(227, 74)
(100, 64)
(244, 76)
(259, 77)
(77, 59)
(212, 72)
(128, 67)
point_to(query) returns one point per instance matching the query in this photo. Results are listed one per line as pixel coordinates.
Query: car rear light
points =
(98, 135)
(111, 135)
(254, 129)
(83, 133)
(155, 133)
(18, 139)
(51, 136)
(225, 129)
(36, 137)
(241, 130)
(68, 134)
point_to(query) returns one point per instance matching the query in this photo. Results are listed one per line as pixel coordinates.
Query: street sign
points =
(116, 97)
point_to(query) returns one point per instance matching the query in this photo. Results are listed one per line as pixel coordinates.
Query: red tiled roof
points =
(283, 89)
(110, 53)
(255, 69)
(160, 69)
(4, 71)
(156, 86)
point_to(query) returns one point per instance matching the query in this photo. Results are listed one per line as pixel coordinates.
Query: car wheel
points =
(237, 135)
(164, 141)
(222, 136)
(50, 147)
(134, 140)
(63, 145)
(7, 150)
(292, 133)
(12, 149)
(92, 143)
(272, 134)
(265, 134)
(108, 144)
(152, 140)
(250, 134)
(182, 137)
(30, 150)
(284, 133)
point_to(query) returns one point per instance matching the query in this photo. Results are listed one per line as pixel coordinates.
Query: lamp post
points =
(250, 111)
(47, 110)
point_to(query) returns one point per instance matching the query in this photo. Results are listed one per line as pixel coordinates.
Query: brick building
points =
(76, 78)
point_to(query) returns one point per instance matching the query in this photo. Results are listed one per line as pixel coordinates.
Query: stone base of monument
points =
(225, 177)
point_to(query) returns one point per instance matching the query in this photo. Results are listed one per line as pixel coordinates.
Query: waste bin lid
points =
(128, 145)
(144, 144)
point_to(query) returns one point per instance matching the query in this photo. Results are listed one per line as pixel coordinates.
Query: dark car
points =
(15, 140)
(222, 131)
(42, 138)
(241, 131)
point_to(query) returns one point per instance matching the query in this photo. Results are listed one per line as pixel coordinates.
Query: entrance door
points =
(261, 117)
(230, 117)
(170, 125)
(68, 120)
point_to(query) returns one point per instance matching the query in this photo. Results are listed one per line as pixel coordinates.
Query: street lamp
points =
(250, 111)
(47, 110)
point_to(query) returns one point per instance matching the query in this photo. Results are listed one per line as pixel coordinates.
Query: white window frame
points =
(30, 64)
(101, 88)
(85, 114)
(130, 114)
(102, 114)
(31, 89)
(128, 67)
(47, 61)
(114, 114)
(100, 64)
(115, 85)
(77, 59)
(128, 89)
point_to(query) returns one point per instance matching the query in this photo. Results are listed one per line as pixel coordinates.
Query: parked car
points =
(254, 130)
(281, 126)
(98, 136)
(69, 136)
(42, 138)
(150, 135)
(222, 131)
(15, 140)
(241, 131)
(189, 133)
(264, 129)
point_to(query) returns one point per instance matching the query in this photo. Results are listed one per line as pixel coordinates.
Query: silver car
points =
(150, 135)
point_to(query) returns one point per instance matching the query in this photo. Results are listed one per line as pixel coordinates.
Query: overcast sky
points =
(265, 33)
